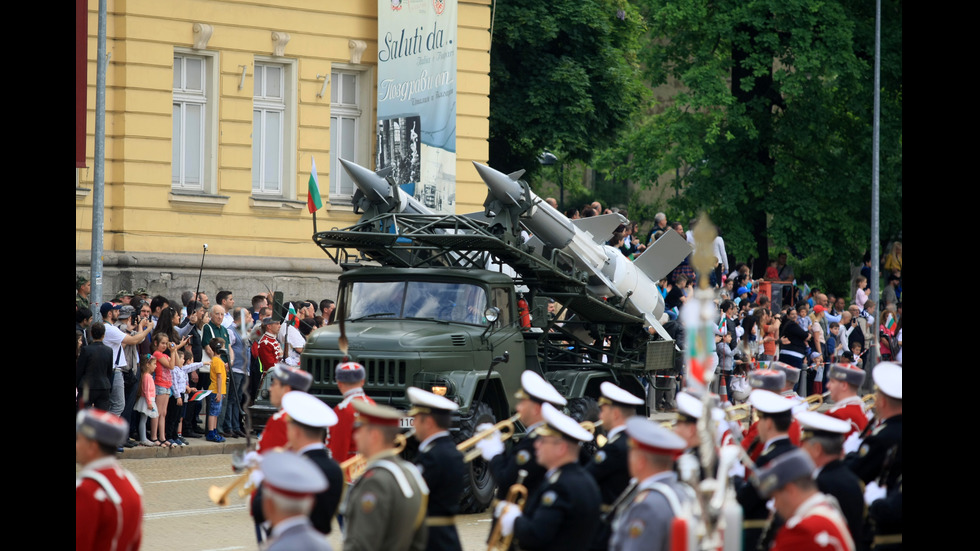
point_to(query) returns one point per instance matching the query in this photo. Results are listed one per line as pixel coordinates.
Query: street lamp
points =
(547, 158)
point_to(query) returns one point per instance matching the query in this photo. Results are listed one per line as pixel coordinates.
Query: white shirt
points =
(113, 339)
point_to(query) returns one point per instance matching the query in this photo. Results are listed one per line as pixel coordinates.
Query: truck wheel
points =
(586, 409)
(479, 483)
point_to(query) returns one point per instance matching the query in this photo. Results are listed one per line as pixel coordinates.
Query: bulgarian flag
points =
(313, 201)
(291, 317)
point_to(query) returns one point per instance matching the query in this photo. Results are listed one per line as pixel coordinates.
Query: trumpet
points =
(869, 401)
(739, 412)
(355, 466)
(506, 428)
(517, 494)
(219, 495)
(814, 401)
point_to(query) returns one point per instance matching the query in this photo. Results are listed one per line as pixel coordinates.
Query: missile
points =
(379, 193)
(612, 274)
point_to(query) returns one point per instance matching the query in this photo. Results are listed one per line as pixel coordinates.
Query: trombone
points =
(355, 466)
(219, 495)
(506, 428)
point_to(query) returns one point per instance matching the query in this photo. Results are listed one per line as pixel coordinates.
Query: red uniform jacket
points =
(269, 351)
(816, 525)
(850, 409)
(274, 434)
(341, 441)
(108, 507)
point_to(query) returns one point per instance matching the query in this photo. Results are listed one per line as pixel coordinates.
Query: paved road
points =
(179, 514)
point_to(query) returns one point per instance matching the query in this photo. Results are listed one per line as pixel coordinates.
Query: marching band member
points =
(823, 439)
(441, 465)
(385, 507)
(813, 521)
(843, 385)
(350, 382)
(563, 513)
(108, 500)
(290, 483)
(644, 520)
(609, 466)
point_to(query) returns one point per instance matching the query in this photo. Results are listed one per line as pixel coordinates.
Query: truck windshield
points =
(455, 302)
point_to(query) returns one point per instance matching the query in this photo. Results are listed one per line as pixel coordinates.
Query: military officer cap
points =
(374, 414)
(308, 410)
(294, 377)
(615, 396)
(124, 293)
(848, 374)
(769, 402)
(815, 424)
(292, 475)
(426, 402)
(792, 373)
(691, 409)
(79, 281)
(786, 468)
(767, 379)
(349, 372)
(101, 426)
(534, 387)
(650, 437)
(888, 377)
(557, 423)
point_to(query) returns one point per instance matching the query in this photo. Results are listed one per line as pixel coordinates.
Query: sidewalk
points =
(195, 446)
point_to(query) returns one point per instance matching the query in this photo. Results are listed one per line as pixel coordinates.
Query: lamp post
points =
(547, 158)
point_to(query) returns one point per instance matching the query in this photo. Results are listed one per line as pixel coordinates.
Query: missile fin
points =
(601, 227)
(663, 256)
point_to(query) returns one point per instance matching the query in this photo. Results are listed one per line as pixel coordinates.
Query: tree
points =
(564, 76)
(771, 133)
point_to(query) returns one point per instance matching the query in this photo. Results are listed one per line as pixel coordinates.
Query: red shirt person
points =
(350, 381)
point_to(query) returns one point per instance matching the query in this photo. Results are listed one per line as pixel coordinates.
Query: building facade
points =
(215, 113)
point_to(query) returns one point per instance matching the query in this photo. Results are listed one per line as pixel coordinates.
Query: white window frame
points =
(287, 105)
(363, 115)
(208, 97)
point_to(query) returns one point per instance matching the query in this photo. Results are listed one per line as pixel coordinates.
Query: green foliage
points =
(564, 77)
(771, 131)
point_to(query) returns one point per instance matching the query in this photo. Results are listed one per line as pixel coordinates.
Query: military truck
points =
(462, 305)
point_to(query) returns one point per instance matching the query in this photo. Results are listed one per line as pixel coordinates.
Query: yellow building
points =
(215, 110)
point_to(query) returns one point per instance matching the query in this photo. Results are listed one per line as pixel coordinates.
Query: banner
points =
(417, 98)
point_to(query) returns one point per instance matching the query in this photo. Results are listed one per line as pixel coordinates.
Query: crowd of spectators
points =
(177, 370)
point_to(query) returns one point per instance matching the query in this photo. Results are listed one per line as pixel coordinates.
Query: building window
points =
(268, 110)
(350, 126)
(193, 167)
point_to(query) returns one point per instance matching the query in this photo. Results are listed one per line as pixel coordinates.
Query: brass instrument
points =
(739, 412)
(517, 494)
(219, 495)
(354, 467)
(590, 426)
(506, 428)
(869, 401)
(814, 401)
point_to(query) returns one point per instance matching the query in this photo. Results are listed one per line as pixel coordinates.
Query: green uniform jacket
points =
(385, 508)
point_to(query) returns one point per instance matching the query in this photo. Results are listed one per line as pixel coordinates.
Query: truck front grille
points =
(378, 372)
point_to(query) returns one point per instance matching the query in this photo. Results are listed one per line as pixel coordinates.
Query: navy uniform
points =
(643, 521)
(287, 476)
(385, 507)
(756, 514)
(833, 478)
(879, 461)
(563, 512)
(442, 467)
(308, 410)
(505, 464)
(609, 466)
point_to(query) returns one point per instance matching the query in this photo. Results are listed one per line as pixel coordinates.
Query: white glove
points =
(253, 459)
(491, 446)
(853, 443)
(771, 505)
(483, 426)
(873, 492)
(255, 478)
(688, 467)
(500, 507)
(507, 519)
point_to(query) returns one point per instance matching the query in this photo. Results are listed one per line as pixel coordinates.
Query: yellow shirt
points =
(218, 372)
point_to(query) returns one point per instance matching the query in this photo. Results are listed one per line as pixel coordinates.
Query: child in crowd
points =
(726, 362)
(861, 295)
(856, 353)
(146, 405)
(163, 379)
(219, 386)
(830, 354)
(179, 389)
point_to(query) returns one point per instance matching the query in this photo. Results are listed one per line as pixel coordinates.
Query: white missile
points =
(613, 274)
(377, 190)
